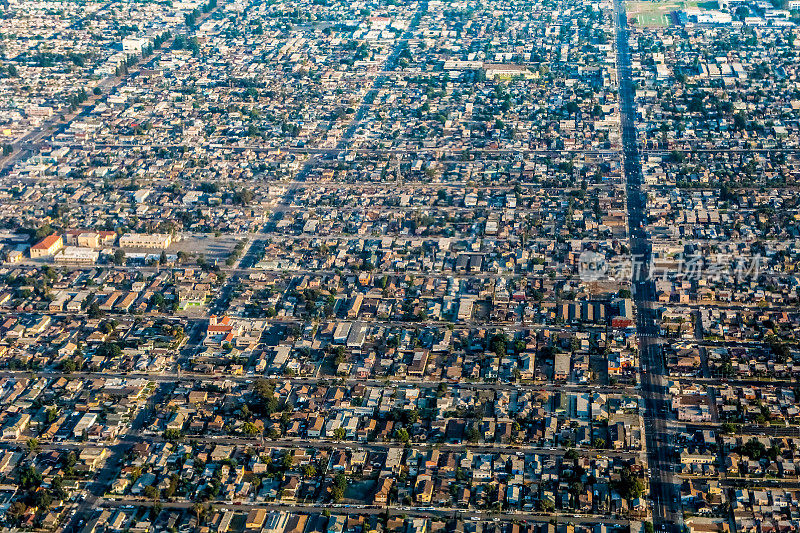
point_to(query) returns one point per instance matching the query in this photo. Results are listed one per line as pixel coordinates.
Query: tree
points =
(169, 492)
(158, 300)
(43, 232)
(16, 511)
(68, 462)
(57, 488)
(498, 344)
(29, 478)
(678, 156)
(629, 485)
(574, 344)
(264, 400)
(94, 310)
(243, 197)
(172, 434)
(288, 461)
(119, 256)
(339, 487)
(339, 433)
(730, 429)
(42, 499)
(753, 449)
(110, 350)
(340, 354)
(572, 107)
(402, 435)
(547, 505)
(739, 121)
(151, 492)
(68, 366)
(199, 511)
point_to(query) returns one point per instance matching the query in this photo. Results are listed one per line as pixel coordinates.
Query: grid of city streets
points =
(398, 266)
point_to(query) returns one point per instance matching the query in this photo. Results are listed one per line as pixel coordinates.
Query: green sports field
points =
(657, 14)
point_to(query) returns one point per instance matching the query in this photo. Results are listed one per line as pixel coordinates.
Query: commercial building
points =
(76, 255)
(145, 240)
(47, 246)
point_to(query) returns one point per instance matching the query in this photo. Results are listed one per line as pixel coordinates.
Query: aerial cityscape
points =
(400, 266)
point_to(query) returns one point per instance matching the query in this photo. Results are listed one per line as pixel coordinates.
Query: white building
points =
(145, 240)
(76, 255)
(134, 45)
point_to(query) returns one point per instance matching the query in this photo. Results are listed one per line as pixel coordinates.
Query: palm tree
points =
(199, 509)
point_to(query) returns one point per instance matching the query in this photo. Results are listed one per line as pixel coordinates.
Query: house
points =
(13, 430)
(561, 366)
(424, 489)
(255, 518)
(92, 456)
(381, 496)
(276, 522)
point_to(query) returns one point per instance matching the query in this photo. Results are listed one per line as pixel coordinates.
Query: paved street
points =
(664, 487)
(392, 510)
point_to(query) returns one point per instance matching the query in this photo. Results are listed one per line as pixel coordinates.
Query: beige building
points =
(89, 239)
(506, 70)
(47, 246)
(256, 518)
(144, 240)
(75, 255)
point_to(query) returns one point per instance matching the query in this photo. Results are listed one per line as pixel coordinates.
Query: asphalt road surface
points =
(664, 487)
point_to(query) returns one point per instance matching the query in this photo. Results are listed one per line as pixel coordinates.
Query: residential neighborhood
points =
(424, 266)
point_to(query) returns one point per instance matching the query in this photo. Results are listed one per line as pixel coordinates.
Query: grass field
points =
(652, 14)
(653, 20)
(657, 14)
(709, 4)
